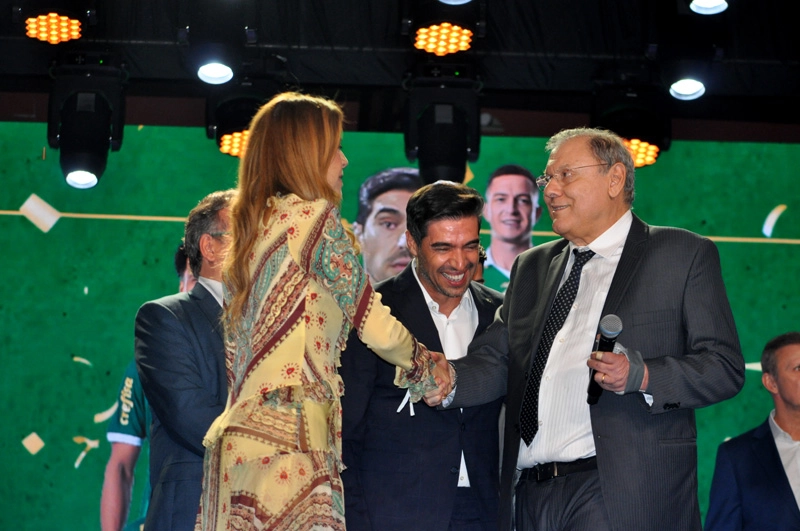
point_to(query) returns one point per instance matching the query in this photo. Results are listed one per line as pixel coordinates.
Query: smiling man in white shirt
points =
(419, 468)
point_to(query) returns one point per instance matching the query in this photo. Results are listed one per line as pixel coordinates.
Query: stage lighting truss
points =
(443, 27)
(639, 115)
(86, 115)
(54, 21)
(227, 121)
(442, 129)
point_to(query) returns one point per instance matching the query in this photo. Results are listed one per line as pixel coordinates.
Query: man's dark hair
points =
(511, 169)
(203, 219)
(180, 260)
(440, 200)
(380, 183)
(768, 363)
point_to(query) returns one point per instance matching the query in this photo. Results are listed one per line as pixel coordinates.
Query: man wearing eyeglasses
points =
(629, 460)
(180, 359)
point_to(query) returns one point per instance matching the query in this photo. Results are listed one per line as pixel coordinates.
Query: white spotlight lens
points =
(455, 2)
(215, 73)
(81, 179)
(708, 7)
(687, 89)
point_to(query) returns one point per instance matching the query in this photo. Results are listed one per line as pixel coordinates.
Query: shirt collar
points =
(777, 432)
(491, 263)
(466, 299)
(612, 239)
(213, 286)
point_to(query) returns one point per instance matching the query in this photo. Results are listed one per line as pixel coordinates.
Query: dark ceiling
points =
(538, 65)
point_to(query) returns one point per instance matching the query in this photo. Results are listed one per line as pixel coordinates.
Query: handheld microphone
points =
(610, 327)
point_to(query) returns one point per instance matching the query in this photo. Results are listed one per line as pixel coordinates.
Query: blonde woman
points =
(294, 289)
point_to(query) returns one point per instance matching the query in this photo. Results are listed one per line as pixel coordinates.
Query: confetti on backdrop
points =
(90, 445)
(772, 218)
(39, 212)
(105, 415)
(78, 359)
(33, 443)
(755, 366)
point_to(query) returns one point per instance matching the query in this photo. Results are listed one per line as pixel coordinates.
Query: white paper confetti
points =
(78, 359)
(33, 443)
(90, 444)
(755, 366)
(107, 414)
(772, 218)
(39, 212)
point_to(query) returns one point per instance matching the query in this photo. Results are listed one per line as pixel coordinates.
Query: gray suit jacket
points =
(180, 358)
(669, 293)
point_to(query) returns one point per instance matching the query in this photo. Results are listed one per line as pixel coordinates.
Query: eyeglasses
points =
(563, 177)
(218, 234)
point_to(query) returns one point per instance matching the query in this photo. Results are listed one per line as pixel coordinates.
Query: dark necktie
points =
(558, 314)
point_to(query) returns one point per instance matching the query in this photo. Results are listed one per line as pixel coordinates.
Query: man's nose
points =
(458, 259)
(553, 188)
(401, 241)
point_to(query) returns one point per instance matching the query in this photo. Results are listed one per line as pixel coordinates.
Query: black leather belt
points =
(547, 471)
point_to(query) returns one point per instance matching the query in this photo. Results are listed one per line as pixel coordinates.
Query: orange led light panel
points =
(442, 39)
(643, 153)
(234, 144)
(53, 28)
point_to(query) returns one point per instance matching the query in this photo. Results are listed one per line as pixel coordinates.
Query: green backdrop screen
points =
(70, 294)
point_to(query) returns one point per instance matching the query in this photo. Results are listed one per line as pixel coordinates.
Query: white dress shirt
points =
(565, 427)
(789, 450)
(455, 333)
(213, 286)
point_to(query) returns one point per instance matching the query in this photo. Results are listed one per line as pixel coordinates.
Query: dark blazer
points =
(181, 362)
(750, 490)
(402, 471)
(669, 293)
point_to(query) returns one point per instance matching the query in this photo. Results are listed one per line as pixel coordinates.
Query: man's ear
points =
(358, 229)
(206, 249)
(616, 183)
(411, 244)
(769, 382)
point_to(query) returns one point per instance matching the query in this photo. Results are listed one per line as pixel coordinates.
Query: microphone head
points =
(610, 326)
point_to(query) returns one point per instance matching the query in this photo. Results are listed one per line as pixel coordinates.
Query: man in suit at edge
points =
(756, 483)
(128, 430)
(181, 363)
(419, 468)
(629, 461)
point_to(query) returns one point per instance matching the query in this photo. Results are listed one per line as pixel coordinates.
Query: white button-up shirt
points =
(565, 427)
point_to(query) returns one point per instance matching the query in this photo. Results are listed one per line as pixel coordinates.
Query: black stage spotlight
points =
(227, 121)
(443, 27)
(442, 127)
(86, 116)
(54, 21)
(217, 33)
(639, 115)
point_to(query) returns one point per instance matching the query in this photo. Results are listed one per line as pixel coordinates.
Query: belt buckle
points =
(546, 471)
